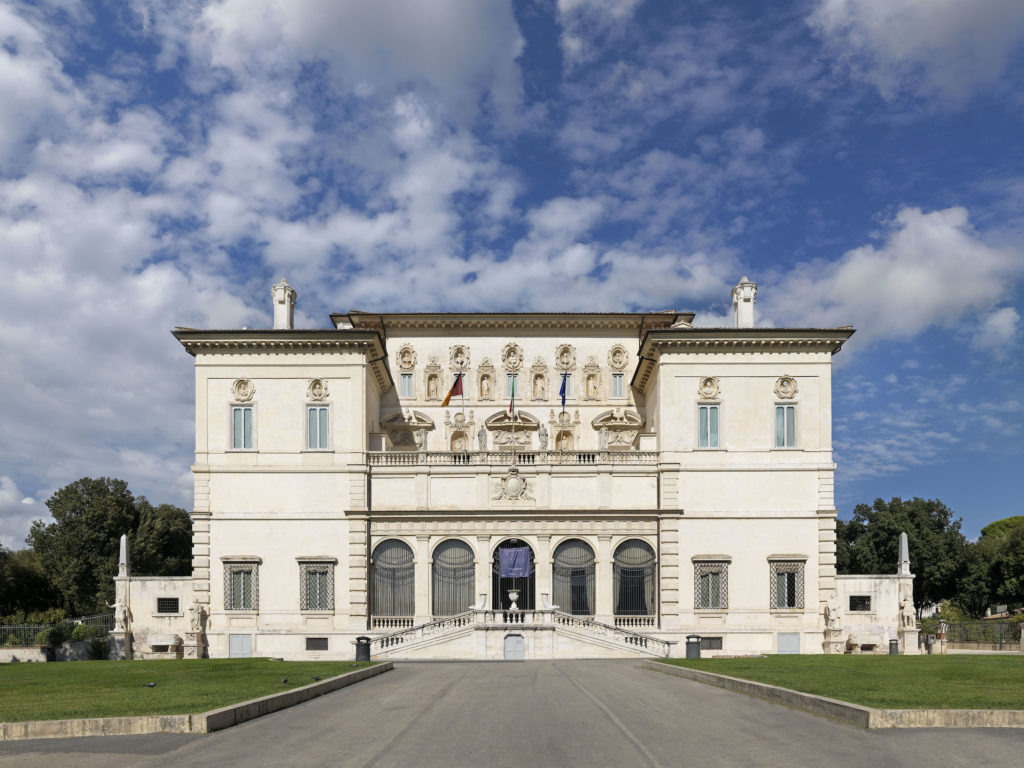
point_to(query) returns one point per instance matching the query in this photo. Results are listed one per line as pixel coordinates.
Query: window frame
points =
(176, 612)
(324, 423)
(403, 379)
(787, 565)
(621, 379)
(309, 565)
(718, 432)
(509, 378)
(708, 565)
(568, 385)
(235, 406)
(241, 564)
(859, 610)
(789, 436)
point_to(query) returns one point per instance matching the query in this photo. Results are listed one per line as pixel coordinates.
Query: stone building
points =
(685, 487)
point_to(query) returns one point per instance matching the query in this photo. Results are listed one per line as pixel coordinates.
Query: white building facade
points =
(685, 488)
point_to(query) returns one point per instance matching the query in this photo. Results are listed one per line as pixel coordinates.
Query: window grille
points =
(316, 643)
(393, 579)
(317, 432)
(167, 605)
(316, 586)
(241, 428)
(573, 577)
(500, 586)
(453, 576)
(241, 587)
(787, 584)
(633, 578)
(711, 643)
(860, 602)
(708, 431)
(785, 426)
(711, 585)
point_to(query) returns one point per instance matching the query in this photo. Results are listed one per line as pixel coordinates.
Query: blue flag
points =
(562, 390)
(514, 563)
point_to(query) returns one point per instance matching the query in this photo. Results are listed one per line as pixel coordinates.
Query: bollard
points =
(362, 648)
(693, 646)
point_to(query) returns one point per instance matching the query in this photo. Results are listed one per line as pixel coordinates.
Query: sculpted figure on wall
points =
(122, 615)
(243, 390)
(592, 386)
(485, 387)
(617, 357)
(542, 437)
(539, 387)
(785, 388)
(908, 617)
(196, 617)
(481, 438)
(406, 357)
(564, 440)
(432, 388)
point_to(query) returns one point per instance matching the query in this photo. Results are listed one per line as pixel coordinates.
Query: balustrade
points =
(504, 458)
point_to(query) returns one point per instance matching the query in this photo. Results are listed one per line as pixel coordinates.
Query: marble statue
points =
(122, 615)
(196, 617)
(542, 437)
(481, 438)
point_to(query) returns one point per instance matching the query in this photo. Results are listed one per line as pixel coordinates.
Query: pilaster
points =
(668, 570)
(421, 576)
(604, 607)
(358, 568)
(826, 557)
(542, 563)
(483, 569)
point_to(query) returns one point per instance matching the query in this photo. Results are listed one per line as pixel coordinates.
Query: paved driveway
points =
(523, 715)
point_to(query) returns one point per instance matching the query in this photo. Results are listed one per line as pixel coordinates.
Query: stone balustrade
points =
(504, 458)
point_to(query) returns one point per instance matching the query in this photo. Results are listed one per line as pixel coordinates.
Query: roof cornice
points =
(505, 322)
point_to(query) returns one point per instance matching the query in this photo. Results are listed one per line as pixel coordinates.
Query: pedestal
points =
(120, 646)
(195, 645)
(908, 641)
(834, 643)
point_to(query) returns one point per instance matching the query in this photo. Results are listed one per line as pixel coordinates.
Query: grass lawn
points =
(887, 682)
(117, 688)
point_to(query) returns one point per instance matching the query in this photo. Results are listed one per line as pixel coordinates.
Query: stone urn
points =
(513, 596)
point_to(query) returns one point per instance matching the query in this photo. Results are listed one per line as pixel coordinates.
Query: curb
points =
(852, 714)
(204, 722)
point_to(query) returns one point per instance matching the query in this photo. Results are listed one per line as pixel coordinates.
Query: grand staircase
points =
(479, 634)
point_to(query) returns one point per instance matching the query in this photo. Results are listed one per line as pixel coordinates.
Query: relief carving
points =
(406, 357)
(565, 357)
(618, 357)
(512, 357)
(316, 390)
(785, 388)
(243, 390)
(458, 358)
(402, 428)
(707, 388)
(618, 428)
(512, 487)
(566, 430)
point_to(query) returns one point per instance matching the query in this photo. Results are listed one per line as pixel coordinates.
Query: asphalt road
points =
(528, 714)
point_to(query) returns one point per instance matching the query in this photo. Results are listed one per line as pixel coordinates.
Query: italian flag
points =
(512, 402)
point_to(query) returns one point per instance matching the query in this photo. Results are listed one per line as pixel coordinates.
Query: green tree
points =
(79, 549)
(1008, 567)
(974, 590)
(1002, 527)
(869, 543)
(24, 586)
(162, 544)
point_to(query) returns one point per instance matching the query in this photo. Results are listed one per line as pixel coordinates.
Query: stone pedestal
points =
(908, 641)
(834, 643)
(195, 645)
(119, 646)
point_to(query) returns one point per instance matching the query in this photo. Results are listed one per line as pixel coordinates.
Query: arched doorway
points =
(452, 578)
(500, 585)
(572, 574)
(393, 579)
(633, 577)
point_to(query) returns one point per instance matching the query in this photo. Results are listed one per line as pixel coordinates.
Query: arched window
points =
(393, 579)
(502, 584)
(452, 577)
(633, 578)
(573, 577)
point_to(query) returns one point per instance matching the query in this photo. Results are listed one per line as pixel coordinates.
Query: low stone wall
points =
(16, 653)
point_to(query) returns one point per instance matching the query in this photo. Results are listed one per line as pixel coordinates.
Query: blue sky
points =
(162, 164)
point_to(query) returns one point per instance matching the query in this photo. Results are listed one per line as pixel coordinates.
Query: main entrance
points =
(501, 585)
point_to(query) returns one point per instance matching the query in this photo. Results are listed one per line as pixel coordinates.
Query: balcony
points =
(505, 458)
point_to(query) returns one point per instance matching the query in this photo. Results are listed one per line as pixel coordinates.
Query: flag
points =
(455, 390)
(562, 390)
(512, 402)
(514, 563)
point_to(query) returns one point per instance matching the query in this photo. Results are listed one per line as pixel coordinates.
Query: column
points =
(604, 603)
(542, 576)
(422, 582)
(483, 569)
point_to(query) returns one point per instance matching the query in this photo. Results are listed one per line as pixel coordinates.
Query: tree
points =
(974, 590)
(162, 544)
(999, 528)
(1008, 567)
(79, 549)
(869, 543)
(24, 586)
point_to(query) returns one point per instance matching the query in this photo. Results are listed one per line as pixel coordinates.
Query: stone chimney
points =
(284, 305)
(743, 303)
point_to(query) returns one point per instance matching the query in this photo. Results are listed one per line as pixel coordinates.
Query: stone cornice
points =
(369, 343)
(734, 340)
(510, 322)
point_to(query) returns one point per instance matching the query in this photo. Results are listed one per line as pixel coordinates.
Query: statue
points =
(432, 388)
(422, 438)
(538, 387)
(481, 438)
(122, 615)
(542, 437)
(832, 613)
(196, 617)
(485, 388)
(564, 440)
(908, 617)
(459, 443)
(604, 438)
(592, 387)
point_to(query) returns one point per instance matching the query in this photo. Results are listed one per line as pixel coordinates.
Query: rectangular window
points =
(860, 602)
(316, 586)
(787, 584)
(511, 380)
(316, 643)
(317, 433)
(785, 426)
(241, 428)
(167, 605)
(406, 385)
(710, 585)
(710, 643)
(241, 588)
(708, 437)
(568, 385)
(618, 385)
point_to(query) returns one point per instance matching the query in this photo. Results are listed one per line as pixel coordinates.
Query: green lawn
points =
(117, 688)
(887, 682)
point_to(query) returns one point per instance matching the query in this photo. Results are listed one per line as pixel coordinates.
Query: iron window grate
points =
(711, 585)
(316, 587)
(316, 643)
(711, 643)
(860, 602)
(167, 605)
(786, 585)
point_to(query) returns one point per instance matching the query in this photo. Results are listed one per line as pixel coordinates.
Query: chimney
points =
(743, 303)
(284, 305)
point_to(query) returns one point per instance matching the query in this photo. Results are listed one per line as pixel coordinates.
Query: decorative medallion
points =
(707, 388)
(618, 357)
(785, 388)
(565, 357)
(406, 357)
(317, 390)
(512, 357)
(458, 358)
(243, 390)
(512, 487)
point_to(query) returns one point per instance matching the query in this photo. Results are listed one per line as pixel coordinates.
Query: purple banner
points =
(514, 563)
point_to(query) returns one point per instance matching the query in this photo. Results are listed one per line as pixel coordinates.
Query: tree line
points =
(70, 563)
(947, 567)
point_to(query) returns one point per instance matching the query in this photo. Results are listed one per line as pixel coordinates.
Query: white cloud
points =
(998, 331)
(931, 269)
(17, 512)
(945, 48)
(587, 23)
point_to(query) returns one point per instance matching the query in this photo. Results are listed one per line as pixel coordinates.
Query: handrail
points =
(637, 639)
(421, 630)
